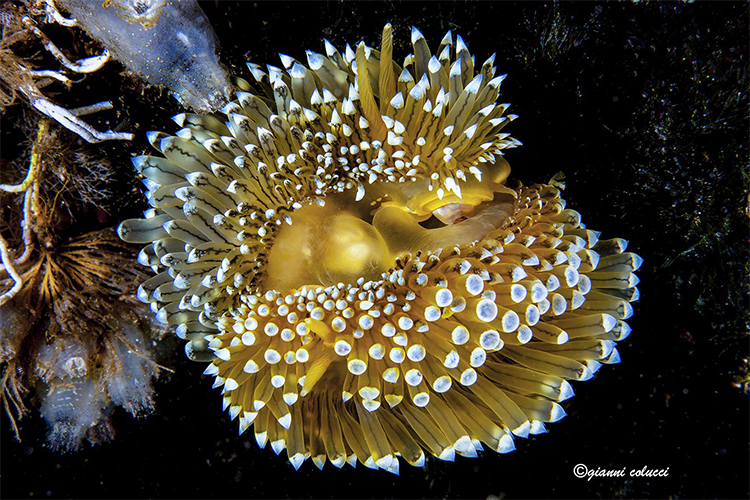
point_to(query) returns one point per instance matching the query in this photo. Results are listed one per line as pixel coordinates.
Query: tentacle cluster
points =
(343, 245)
(227, 183)
(453, 348)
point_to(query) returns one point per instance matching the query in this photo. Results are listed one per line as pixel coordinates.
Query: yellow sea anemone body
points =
(345, 247)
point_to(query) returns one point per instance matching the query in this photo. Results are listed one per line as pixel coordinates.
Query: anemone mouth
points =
(325, 245)
(341, 241)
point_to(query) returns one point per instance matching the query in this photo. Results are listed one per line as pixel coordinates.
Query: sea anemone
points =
(344, 245)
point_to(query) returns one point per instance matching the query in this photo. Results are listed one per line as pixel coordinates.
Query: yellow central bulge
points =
(325, 246)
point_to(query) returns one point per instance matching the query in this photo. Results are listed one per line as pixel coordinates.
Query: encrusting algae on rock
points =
(344, 246)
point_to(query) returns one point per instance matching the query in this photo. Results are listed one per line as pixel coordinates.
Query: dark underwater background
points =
(644, 107)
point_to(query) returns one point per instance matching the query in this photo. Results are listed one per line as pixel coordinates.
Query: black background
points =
(643, 106)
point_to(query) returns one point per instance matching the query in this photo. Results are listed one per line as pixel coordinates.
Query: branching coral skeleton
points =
(25, 81)
(30, 88)
(30, 187)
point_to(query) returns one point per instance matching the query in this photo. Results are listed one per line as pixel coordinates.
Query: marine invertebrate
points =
(74, 334)
(71, 329)
(344, 245)
(166, 42)
(19, 75)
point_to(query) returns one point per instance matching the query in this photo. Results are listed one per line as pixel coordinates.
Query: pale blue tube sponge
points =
(165, 42)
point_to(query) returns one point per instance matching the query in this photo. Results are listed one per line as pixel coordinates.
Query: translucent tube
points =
(165, 42)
